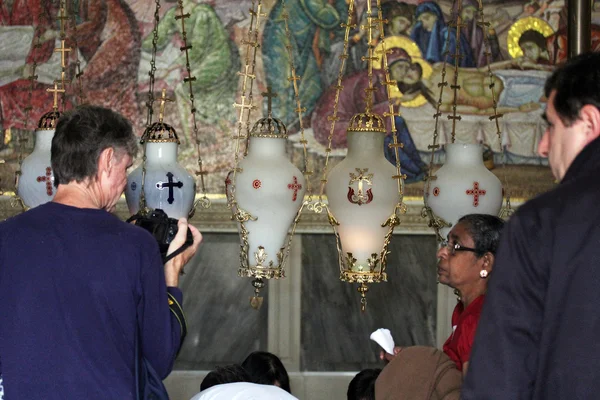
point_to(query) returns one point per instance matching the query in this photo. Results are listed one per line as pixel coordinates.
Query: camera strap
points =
(176, 252)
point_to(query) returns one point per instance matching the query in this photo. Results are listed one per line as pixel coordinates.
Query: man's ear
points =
(590, 115)
(106, 161)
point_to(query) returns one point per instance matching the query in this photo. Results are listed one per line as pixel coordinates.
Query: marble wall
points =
(333, 333)
(222, 328)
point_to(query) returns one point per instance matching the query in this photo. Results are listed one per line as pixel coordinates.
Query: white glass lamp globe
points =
(167, 185)
(36, 183)
(362, 195)
(463, 185)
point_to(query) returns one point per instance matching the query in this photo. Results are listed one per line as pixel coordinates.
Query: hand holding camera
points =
(176, 240)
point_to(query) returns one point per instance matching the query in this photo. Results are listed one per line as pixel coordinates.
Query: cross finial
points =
(163, 100)
(56, 91)
(62, 50)
(269, 95)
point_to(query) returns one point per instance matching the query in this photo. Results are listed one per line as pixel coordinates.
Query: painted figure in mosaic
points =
(311, 22)
(109, 40)
(474, 34)
(401, 18)
(352, 101)
(214, 61)
(434, 37)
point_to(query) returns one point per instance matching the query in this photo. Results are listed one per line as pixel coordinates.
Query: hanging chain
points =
(245, 105)
(396, 144)
(457, 57)
(319, 204)
(293, 78)
(78, 73)
(436, 222)
(506, 211)
(254, 42)
(62, 17)
(204, 202)
(143, 209)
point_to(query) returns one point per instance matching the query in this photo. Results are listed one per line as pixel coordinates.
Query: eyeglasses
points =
(454, 247)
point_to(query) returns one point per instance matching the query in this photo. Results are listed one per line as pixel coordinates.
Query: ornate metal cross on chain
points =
(163, 100)
(269, 95)
(56, 91)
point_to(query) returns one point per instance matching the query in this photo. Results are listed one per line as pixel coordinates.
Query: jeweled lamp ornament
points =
(163, 182)
(36, 183)
(266, 197)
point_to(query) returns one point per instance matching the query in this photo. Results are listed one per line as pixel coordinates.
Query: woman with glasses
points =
(465, 263)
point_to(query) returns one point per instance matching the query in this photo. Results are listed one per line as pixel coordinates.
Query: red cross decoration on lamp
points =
(295, 187)
(48, 179)
(475, 192)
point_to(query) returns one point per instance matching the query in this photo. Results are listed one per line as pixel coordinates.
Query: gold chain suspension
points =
(436, 222)
(319, 205)
(293, 78)
(506, 211)
(245, 104)
(143, 209)
(63, 17)
(457, 57)
(204, 202)
(396, 144)
(78, 73)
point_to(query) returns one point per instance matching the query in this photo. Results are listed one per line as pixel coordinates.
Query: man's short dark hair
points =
(535, 37)
(485, 231)
(362, 386)
(228, 374)
(577, 84)
(81, 135)
(267, 369)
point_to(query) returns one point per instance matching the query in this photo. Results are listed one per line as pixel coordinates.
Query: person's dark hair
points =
(228, 374)
(577, 84)
(362, 386)
(535, 37)
(267, 369)
(81, 135)
(485, 231)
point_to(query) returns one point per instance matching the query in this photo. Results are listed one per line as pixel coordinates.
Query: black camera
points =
(163, 229)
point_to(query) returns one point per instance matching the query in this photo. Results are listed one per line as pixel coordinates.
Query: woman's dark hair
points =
(267, 369)
(81, 135)
(577, 83)
(228, 374)
(362, 386)
(485, 231)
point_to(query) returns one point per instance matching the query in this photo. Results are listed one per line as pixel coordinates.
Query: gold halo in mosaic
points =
(393, 42)
(519, 27)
